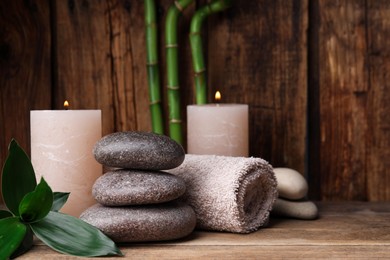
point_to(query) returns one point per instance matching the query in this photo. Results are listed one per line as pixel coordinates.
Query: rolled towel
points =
(233, 194)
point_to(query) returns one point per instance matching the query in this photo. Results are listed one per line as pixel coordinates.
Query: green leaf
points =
(70, 235)
(5, 214)
(59, 199)
(12, 232)
(18, 177)
(35, 205)
(26, 244)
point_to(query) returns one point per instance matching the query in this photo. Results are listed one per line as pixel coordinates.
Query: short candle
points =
(220, 129)
(61, 152)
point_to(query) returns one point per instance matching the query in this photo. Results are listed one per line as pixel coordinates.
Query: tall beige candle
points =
(220, 129)
(61, 152)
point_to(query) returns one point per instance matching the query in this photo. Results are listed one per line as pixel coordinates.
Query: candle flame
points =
(218, 96)
(66, 104)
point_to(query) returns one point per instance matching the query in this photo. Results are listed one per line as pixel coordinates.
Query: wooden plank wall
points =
(349, 113)
(313, 72)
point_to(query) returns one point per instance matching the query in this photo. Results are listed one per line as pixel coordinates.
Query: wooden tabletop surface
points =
(357, 230)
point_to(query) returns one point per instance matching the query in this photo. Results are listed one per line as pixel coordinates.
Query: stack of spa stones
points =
(292, 202)
(137, 202)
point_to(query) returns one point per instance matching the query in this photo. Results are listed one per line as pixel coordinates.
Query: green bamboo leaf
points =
(12, 232)
(18, 177)
(70, 235)
(5, 214)
(26, 244)
(59, 199)
(37, 204)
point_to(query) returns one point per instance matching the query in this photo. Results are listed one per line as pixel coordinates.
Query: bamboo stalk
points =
(153, 71)
(196, 45)
(171, 45)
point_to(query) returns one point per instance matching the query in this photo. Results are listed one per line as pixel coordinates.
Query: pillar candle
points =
(61, 152)
(220, 129)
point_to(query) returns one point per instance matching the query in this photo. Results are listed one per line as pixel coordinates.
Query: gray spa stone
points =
(138, 150)
(295, 209)
(134, 187)
(291, 184)
(158, 222)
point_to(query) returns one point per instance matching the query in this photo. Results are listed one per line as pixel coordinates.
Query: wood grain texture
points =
(378, 106)
(94, 60)
(353, 100)
(234, 252)
(343, 85)
(137, 49)
(25, 68)
(362, 229)
(262, 62)
(313, 105)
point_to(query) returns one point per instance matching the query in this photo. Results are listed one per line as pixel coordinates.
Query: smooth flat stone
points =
(133, 187)
(139, 150)
(291, 184)
(158, 222)
(295, 209)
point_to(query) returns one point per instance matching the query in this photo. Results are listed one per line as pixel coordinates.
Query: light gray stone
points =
(158, 222)
(139, 150)
(295, 209)
(291, 184)
(134, 187)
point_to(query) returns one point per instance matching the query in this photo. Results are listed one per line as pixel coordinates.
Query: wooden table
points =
(344, 230)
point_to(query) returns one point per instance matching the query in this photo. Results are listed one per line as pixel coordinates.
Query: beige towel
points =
(233, 194)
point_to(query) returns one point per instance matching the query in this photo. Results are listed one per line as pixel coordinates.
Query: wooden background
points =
(315, 74)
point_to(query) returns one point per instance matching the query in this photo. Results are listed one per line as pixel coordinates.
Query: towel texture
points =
(233, 194)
